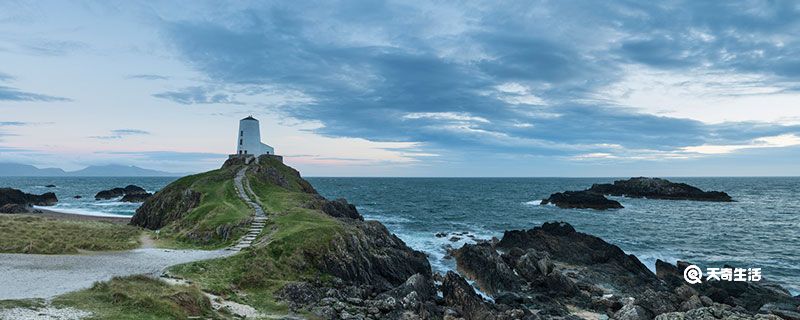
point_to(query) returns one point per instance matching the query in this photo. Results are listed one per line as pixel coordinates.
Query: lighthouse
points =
(249, 141)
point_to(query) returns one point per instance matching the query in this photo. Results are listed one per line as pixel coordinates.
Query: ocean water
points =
(66, 188)
(760, 230)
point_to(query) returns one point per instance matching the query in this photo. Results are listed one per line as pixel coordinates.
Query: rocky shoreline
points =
(548, 272)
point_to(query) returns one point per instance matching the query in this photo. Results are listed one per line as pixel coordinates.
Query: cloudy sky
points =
(352, 88)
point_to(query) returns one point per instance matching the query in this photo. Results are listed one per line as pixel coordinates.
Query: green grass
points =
(253, 276)
(219, 207)
(139, 297)
(22, 303)
(29, 234)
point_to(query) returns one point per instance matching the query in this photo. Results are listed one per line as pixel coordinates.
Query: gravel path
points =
(25, 276)
(45, 276)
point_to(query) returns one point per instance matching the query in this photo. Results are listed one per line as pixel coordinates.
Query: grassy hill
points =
(307, 237)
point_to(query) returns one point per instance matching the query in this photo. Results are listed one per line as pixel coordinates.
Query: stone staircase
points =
(259, 218)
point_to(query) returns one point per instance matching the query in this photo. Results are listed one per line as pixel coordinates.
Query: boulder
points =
(581, 200)
(459, 295)
(657, 188)
(481, 263)
(633, 312)
(50, 186)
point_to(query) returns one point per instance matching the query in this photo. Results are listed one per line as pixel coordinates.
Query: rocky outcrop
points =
(339, 208)
(656, 188)
(482, 263)
(132, 192)
(370, 254)
(16, 201)
(169, 204)
(756, 297)
(110, 194)
(581, 200)
(461, 298)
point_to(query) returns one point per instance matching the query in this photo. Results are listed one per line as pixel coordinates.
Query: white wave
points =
(534, 202)
(82, 212)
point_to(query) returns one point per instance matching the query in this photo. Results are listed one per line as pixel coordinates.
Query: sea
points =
(760, 230)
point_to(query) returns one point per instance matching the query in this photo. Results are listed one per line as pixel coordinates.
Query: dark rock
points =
(50, 186)
(170, 204)
(633, 312)
(581, 200)
(750, 296)
(14, 196)
(134, 190)
(14, 208)
(339, 208)
(136, 197)
(419, 283)
(459, 295)
(455, 238)
(481, 263)
(110, 194)
(717, 311)
(441, 234)
(370, 255)
(656, 188)
(599, 262)
(78, 197)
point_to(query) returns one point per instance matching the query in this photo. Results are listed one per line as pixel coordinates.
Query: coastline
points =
(53, 214)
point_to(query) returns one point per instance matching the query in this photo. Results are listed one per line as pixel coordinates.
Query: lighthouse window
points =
(240, 142)
(241, 133)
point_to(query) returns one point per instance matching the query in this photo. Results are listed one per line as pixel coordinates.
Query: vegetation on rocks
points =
(201, 210)
(307, 239)
(30, 234)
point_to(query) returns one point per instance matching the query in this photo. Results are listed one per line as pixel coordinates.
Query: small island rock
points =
(581, 200)
(657, 188)
(136, 193)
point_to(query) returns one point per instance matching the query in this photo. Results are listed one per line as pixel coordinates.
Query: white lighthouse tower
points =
(249, 141)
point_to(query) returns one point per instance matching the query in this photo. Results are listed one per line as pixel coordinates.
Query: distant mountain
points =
(111, 170)
(18, 169)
